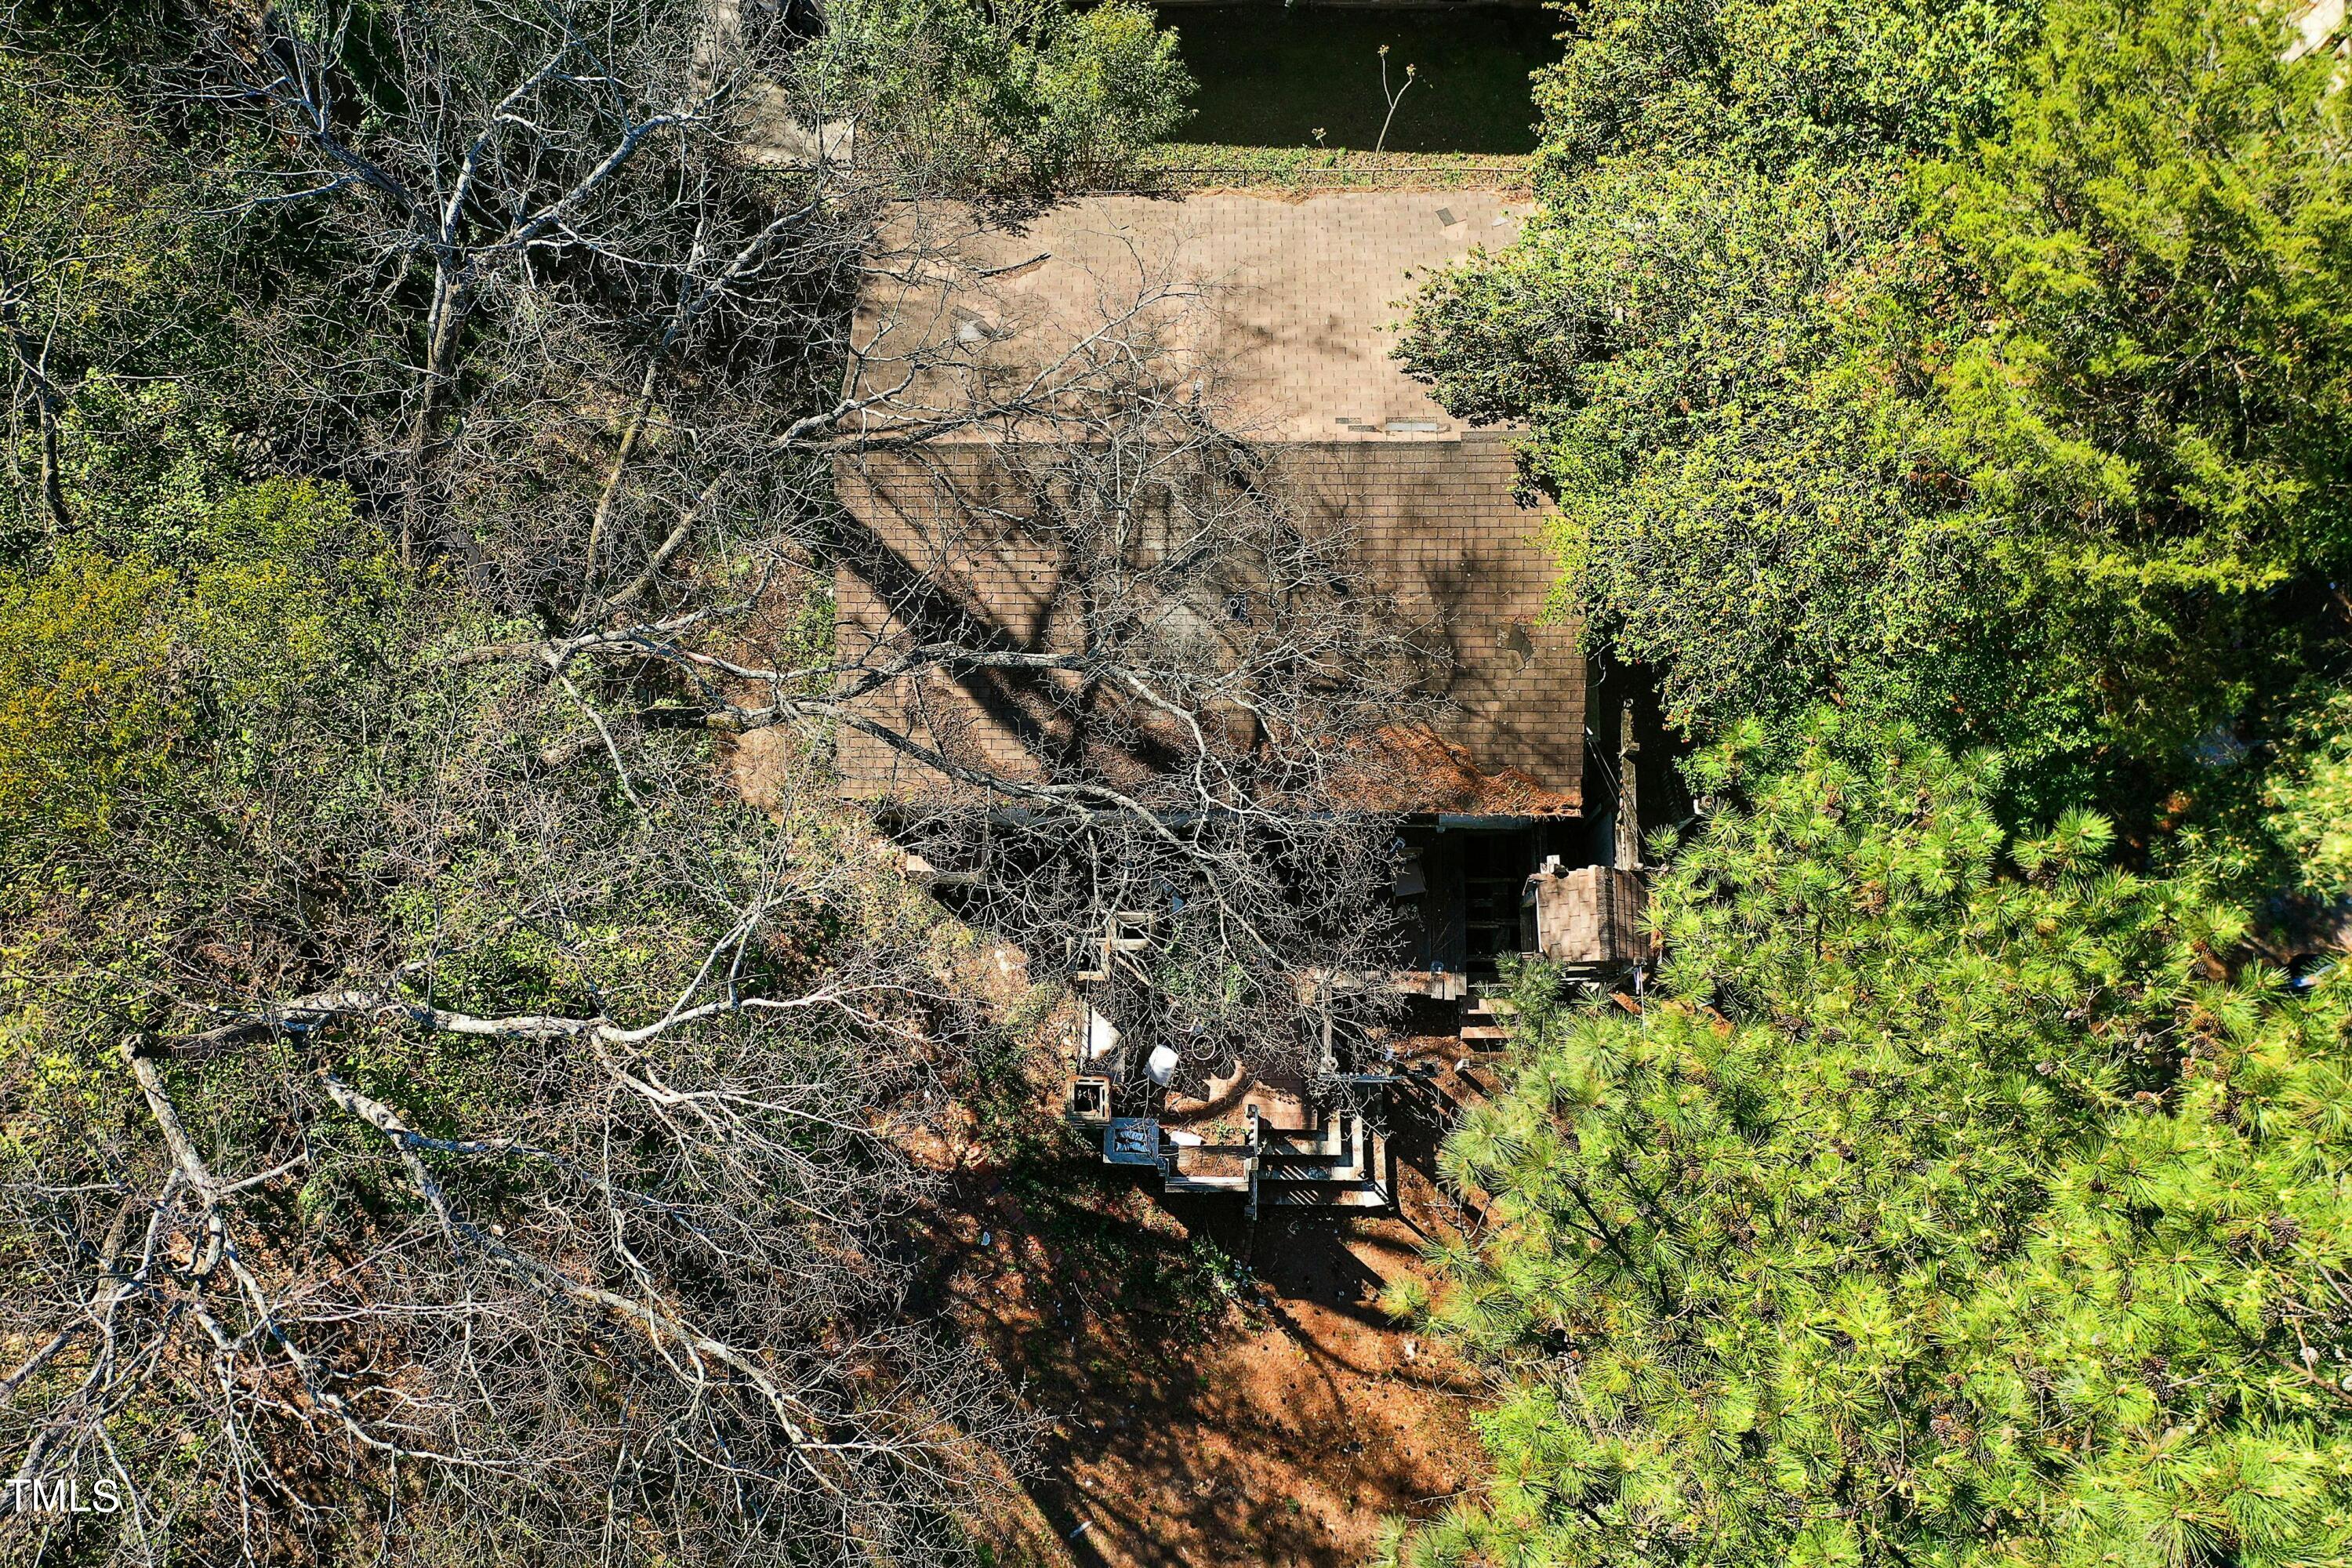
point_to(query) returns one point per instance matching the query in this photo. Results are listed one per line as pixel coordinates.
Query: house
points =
(1278, 314)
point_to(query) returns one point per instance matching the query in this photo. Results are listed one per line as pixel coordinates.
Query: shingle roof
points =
(1283, 312)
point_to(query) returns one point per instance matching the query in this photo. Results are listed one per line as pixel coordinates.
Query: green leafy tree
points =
(1945, 1203)
(1768, 84)
(104, 266)
(1028, 95)
(2148, 404)
(1661, 327)
(2024, 424)
(82, 712)
(1721, 202)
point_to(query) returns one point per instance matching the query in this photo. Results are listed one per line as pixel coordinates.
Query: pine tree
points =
(1947, 1203)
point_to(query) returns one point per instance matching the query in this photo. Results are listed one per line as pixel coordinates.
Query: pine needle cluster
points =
(1951, 1201)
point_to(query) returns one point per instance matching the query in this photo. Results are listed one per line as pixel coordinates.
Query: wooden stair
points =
(1184, 1168)
(1342, 1166)
(1176, 1182)
(1488, 1023)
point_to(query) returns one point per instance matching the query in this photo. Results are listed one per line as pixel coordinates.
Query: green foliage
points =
(127, 303)
(1023, 95)
(1110, 84)
(1770, 83)
(2033, 437)
(2151, 399)
(1659, 324)
(2162, 232)
(2265, 824)
(84, 712)
(1326, 168)
(1723, 205)
(143, 467)
(1943, 1205)
(122, 676)
(86, 199)
(2309, 796)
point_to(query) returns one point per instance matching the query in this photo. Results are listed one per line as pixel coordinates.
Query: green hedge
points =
(1199, 165)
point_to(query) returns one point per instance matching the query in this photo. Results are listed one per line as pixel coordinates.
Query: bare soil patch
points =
(1222, 1393)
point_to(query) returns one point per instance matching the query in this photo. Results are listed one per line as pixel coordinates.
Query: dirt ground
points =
(1220, 1392)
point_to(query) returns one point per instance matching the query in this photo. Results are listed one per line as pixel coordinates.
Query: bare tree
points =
(374, 1265)
(1244, 657)
(1088, 661)
(358, 1253)
(1173, 774)
(498, 1146)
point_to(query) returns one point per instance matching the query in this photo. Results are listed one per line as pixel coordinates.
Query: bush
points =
(1027, 96)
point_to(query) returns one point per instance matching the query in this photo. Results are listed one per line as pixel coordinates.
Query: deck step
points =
(1205, 1184)
(1334, 1139)
(1323, 1172)
(1314, 1153)
(1484, 1032)
(1360, 1182)
(1317, 1168)
(1363, 1195)
(1321, 1180)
